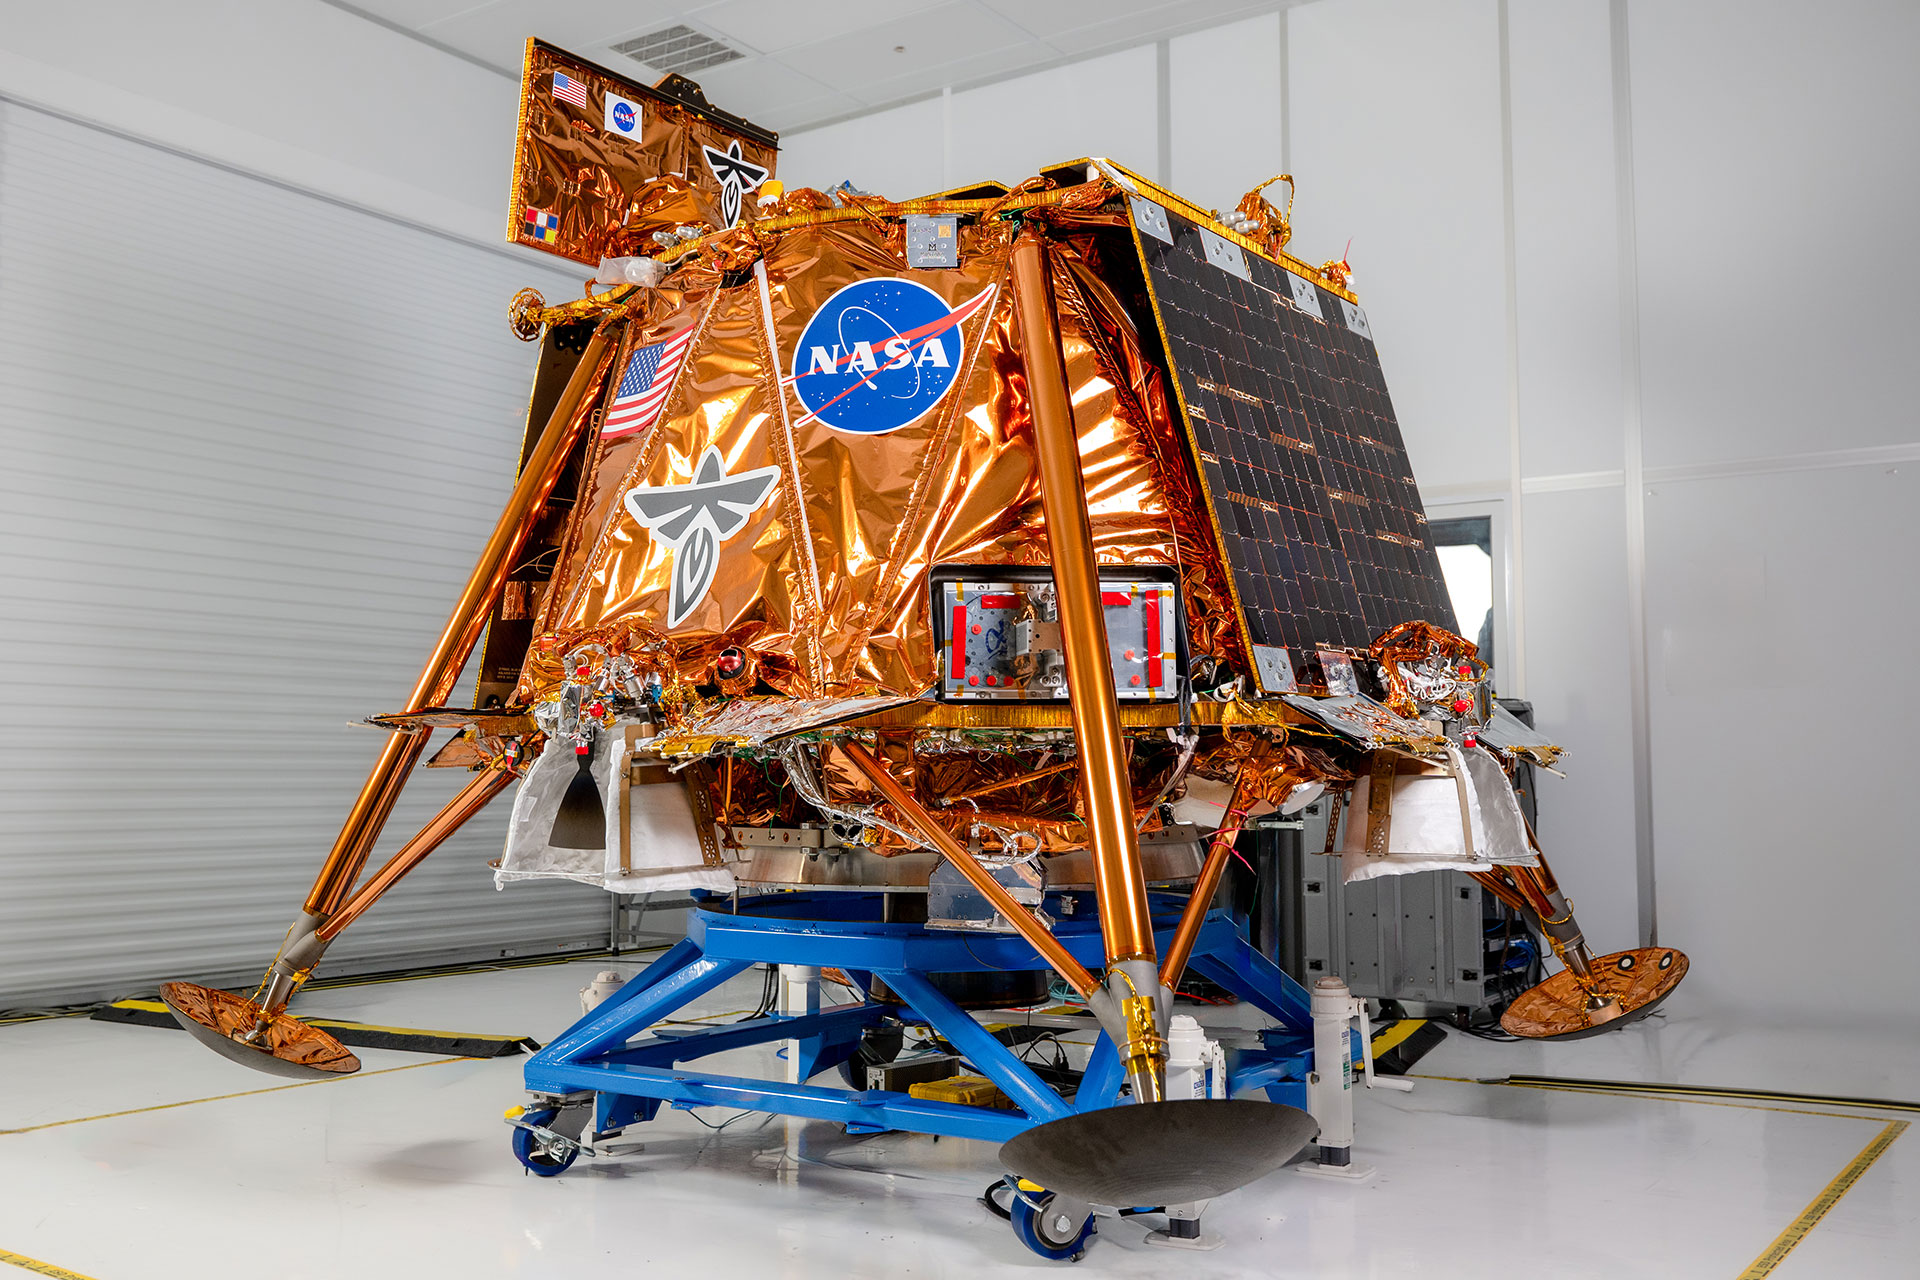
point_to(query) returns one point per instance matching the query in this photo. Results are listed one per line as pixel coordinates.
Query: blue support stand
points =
(630, 1065)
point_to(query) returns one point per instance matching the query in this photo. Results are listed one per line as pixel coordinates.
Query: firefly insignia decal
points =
(880, 354)
(736, 176)
(693, 520)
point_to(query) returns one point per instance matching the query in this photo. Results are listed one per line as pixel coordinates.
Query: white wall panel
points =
(1396, 141)
(1576, 598)
(1001, 132)
(250, 443)
(1782, 611)
(899, 153)
(1774, 144)
(1100, 107)
(1566, 237)
(301, 90)
(1227, 114)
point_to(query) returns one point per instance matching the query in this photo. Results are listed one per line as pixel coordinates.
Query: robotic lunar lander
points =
(936, 589)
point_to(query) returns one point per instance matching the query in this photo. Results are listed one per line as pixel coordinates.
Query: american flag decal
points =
(643, 388)
(567, 89)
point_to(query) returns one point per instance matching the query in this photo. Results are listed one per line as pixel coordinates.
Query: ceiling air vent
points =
(678, 49)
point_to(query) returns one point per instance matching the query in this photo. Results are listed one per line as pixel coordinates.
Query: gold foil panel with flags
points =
(601, 162)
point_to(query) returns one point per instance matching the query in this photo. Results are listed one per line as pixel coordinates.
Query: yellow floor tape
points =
(1784, 1243)
(222, 1097)
(1797, 1230)
(40, 1268)
(60, 1273)
(378, 979)
(1390, 1039)
(1574, 1084)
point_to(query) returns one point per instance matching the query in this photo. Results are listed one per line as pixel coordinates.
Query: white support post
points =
(1330, 1086)
(799, 994)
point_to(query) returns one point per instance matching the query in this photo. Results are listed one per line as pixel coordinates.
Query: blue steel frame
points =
(630, 1073)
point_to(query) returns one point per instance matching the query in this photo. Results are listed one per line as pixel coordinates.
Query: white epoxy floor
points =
(131, 1153)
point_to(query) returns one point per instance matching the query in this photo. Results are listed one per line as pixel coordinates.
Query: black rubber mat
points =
(1397, 1048)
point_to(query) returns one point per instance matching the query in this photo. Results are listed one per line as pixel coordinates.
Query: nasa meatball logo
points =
(880, 354)
(622, 119)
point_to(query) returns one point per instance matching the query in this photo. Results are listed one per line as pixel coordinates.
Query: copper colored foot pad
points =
(289, 1048)
(1635, 980)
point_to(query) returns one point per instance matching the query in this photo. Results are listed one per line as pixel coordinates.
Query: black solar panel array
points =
(1298, 446)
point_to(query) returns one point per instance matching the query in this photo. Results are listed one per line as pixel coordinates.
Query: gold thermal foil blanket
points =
(800, 518)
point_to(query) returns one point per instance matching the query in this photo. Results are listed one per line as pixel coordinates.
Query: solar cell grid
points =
(1299, 451)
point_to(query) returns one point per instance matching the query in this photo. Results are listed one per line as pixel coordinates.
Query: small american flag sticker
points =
(567, 89)
(643, 387)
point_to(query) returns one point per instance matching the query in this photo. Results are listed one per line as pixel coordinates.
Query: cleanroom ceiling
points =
(806, 62)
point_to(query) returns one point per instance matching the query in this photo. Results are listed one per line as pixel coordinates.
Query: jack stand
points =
(799, 998)
(1330, 1086)
(1183, 1229)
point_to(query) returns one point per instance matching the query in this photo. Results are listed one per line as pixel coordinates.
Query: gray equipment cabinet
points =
(1413, 937)
(1435, 937)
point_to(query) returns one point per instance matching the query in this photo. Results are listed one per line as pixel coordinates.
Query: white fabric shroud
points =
(1425, 832)
(664, 841)
(1206, 802)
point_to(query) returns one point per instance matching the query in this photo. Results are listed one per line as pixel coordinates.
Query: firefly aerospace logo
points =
(736, 176)
(880, 354)
(694, 519)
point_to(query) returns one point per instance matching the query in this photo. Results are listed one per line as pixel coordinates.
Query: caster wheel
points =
(527, 1149)
(1052, 1236)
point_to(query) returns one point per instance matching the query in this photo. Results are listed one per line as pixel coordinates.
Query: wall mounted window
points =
(1471, 539)
(1466, 558)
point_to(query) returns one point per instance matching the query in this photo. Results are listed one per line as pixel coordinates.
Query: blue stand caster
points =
(1057, 1237)
(546, 1157)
